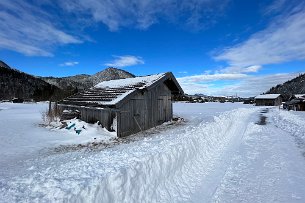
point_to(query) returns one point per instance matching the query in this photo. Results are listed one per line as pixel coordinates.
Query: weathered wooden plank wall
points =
(268, 102)
(91, 115)
(145, 110)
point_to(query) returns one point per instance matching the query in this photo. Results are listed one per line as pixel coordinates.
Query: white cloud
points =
(275, 6)
(34, 29)
(242, 86)
(143, 13)
(204, 83)
(249, 69)
(69, 63)
(27, 29)
(196, 88)
(282, 41)
(211, 77)
(255, 85)
(127, 60)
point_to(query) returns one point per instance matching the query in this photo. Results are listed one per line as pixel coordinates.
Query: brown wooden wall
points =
(145, 110)
(92, 115)
(268, 102)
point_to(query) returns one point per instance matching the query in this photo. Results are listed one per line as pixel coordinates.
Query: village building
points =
(268, 100)
(127, 106)
(296, 103)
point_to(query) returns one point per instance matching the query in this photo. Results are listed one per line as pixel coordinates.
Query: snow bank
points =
(293, 123)
(164, 168)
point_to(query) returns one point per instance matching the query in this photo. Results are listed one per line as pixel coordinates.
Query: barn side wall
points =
(91, 115)
(145, 110)
(268, 102)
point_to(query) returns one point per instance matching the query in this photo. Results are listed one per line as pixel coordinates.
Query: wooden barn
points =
(268, 100)
(296, 103)
(127, 106)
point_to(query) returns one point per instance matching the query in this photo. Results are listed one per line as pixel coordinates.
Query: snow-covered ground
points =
(219, 154)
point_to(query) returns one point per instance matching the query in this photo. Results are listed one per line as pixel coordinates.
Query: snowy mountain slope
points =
(215, 156)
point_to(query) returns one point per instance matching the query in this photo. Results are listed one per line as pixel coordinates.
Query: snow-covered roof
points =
(302, 96)
(111, 92)
(140, 82)
(267, 96)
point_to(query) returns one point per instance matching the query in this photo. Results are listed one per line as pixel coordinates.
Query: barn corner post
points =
(50, 107)
(118, 121)
(57, 112)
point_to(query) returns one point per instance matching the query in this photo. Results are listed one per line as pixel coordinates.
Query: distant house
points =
(296, 103)
(17, 100)
(127, 106)
(249, 100)
(268, 100)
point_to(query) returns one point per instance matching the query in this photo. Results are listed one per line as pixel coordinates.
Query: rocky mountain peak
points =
(110, 73)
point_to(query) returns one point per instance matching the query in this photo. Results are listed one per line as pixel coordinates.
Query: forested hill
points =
(294, 86)
(17, 84)
(14, 83)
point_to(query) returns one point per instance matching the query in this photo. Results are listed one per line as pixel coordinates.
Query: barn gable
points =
(135, 104)
(114, 92)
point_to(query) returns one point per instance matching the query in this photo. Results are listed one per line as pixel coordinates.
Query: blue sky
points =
(214, 47)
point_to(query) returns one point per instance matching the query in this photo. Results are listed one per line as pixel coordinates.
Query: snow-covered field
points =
(219, 154)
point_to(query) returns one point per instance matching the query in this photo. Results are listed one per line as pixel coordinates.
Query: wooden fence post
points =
(50, 107)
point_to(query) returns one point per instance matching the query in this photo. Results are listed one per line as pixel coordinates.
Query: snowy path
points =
(265, 168)
(227, 158)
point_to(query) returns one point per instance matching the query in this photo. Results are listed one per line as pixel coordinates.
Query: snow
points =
(117, 99)
(146, 80)
(21, 135)
(131, 83)
(218, 154)
(300, 96)
(267, 96)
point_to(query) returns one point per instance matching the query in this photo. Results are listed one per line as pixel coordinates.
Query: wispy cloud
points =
(243, 85)
(235, 69)
(275, 6)
(254, 85)
(144, 13)
(211, 77)
(34, 29)
(69, 63)
(127, 60)
(29, 30)
(283, 40)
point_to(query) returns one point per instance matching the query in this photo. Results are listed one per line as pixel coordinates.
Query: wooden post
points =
(50, 107)
(56, 109)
